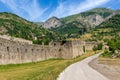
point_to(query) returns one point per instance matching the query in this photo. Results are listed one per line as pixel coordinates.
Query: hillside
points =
(113, 24)
(13, 25)
(76, 25)
(110, 29)
(82, 25)
(104, 12)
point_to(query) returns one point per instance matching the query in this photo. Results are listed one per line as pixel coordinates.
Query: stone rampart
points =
(12, 52)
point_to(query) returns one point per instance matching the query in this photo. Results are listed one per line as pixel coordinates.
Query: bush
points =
(99, 46)
(95, 48)
(107, 54)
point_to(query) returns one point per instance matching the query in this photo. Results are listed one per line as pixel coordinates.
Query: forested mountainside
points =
(13, 25)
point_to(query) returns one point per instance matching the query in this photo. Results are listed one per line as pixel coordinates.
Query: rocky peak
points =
(52, 22)
(95, 19)
(91, 21)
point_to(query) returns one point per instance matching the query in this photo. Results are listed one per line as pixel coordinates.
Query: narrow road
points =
(81, 71)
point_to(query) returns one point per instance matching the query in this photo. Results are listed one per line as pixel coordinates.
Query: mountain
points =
(107, 30)
(104, 12)
(52, 23)
(13, 25)
(76, 25)
(83, 25)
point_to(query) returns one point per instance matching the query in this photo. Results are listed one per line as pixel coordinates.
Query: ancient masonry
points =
(13, 52)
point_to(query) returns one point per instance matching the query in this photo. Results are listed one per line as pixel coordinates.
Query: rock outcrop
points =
(52, 23)
(95, 20)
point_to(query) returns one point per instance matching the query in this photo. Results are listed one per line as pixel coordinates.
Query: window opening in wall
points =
(60, 50)
(17, 49)
(1, 44)
(32, 50)
(25, 50)
(8, 49)
(0, 56)
(37, 49)
(54, 44)
(42, 49)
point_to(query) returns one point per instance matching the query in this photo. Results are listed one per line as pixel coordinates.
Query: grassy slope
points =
(44, 70)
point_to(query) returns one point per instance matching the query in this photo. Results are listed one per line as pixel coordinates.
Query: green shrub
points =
(107, 54)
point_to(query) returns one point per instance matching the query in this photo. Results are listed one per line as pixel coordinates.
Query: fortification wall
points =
(16, 52)
(12, 52)
(15, 39)
(77, 47)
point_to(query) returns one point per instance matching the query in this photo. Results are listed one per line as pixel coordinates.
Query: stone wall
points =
(77, 47)
(15, 39)
(12, 52)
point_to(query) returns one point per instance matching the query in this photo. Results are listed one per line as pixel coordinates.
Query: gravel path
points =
(81, 71)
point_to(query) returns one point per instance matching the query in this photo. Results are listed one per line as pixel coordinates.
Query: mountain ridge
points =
(68, 27)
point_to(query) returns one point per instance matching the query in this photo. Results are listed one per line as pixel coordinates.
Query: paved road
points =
(81, 71)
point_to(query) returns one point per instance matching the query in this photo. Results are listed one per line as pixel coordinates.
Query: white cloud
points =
(65, 9)
(25, 8)
(31, 10)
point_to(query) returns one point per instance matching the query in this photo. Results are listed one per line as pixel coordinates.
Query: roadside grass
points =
(43, 70)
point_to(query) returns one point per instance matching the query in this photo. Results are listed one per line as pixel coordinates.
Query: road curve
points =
(81, 71)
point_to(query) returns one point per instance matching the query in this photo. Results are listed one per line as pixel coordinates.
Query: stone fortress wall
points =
(14, 52)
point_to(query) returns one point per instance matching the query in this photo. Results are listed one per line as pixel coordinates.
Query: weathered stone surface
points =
(12, 52)
(95, 19)
(52, 22)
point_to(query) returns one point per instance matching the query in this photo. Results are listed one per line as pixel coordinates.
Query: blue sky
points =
(40, 10)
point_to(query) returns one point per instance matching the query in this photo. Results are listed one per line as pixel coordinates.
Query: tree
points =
(95, 48)
(84, 49)
(99, 46)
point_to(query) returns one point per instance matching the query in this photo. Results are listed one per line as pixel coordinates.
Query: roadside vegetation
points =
(43, 70)
(109, 32)
(114, 49)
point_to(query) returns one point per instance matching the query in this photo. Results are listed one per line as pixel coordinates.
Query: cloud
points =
(33, 11)
(65, 9)
(28, 9)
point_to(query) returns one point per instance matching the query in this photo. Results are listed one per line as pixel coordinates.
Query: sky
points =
(41, 10)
